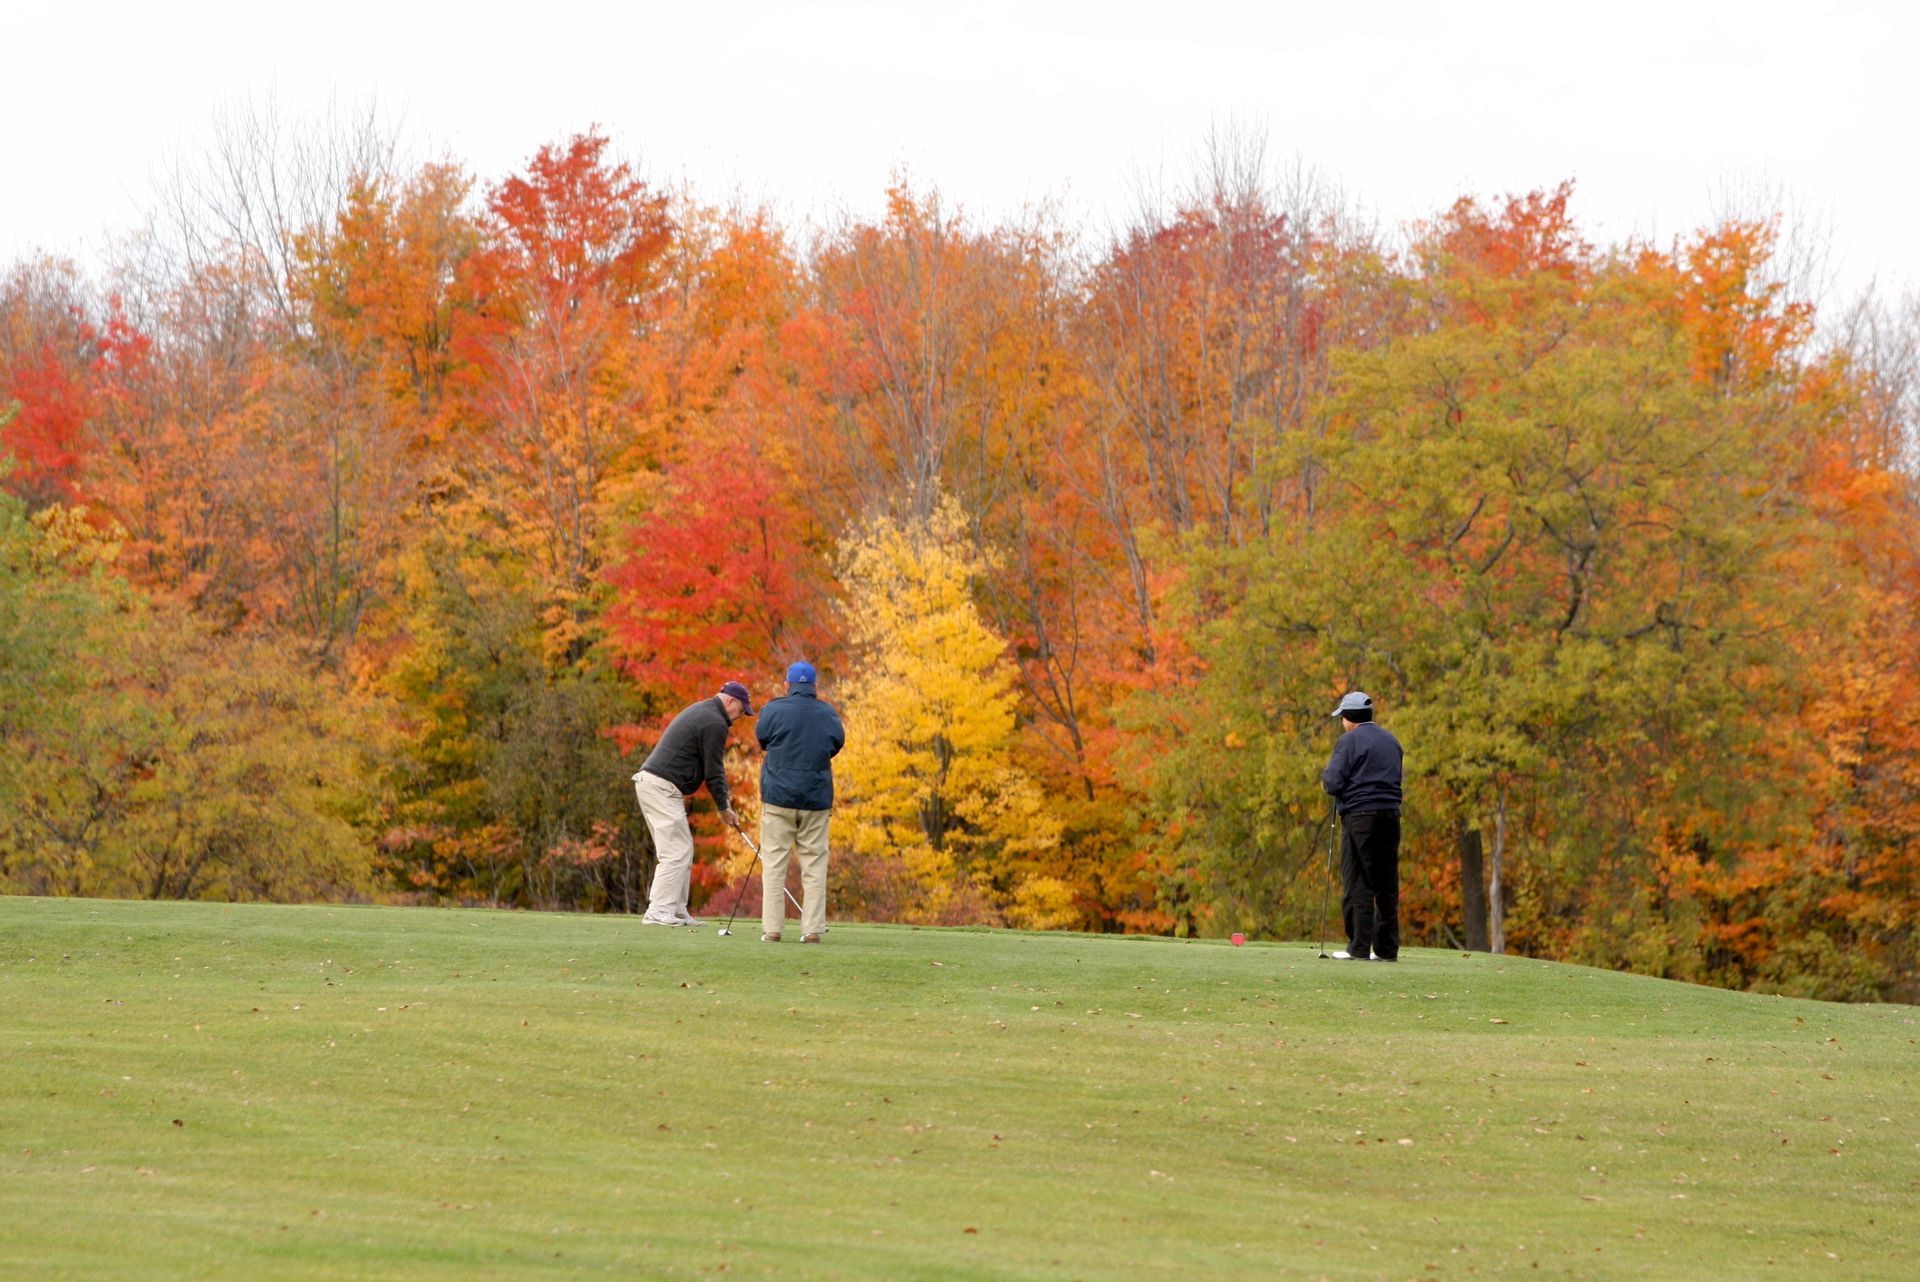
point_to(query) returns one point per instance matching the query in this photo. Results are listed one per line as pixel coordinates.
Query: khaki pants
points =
(666, 812)
(785, 831)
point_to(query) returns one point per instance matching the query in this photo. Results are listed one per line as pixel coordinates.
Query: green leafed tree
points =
(1566, 565)
(502, 785)
(40, 615)
(162, 758)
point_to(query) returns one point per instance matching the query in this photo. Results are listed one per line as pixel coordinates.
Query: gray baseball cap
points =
(1354, 701)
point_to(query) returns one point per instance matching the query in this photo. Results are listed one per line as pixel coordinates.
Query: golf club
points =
(739, 894)
(1333, 827)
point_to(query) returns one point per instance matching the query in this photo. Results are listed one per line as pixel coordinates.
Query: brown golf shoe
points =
(809, 939)
(771, 937)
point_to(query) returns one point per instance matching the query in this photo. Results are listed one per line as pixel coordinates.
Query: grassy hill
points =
(209, 1091)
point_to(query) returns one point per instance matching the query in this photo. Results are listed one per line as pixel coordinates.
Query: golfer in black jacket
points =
(1363, 778)
(802, 734)
(688, 754)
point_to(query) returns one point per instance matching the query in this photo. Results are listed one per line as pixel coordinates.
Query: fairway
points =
(248, 1092)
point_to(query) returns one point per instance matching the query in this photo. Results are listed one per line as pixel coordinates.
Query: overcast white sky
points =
(1654, 109)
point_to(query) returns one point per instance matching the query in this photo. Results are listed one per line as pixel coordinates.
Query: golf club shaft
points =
(740, 894)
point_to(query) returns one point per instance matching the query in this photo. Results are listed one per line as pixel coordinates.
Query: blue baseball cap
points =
(739, 692)
(802, 674)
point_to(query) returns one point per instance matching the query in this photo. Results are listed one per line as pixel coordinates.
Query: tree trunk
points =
(1496, 884)
(1473, 888)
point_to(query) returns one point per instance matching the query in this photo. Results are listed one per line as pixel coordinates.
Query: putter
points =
(740, 894)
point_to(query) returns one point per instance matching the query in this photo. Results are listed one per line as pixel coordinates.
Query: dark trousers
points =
(1370, 882)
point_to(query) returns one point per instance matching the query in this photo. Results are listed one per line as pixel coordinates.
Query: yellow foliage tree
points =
(937, 820)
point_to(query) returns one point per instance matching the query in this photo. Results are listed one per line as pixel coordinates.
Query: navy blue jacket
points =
(1364, 773)
(801, 735)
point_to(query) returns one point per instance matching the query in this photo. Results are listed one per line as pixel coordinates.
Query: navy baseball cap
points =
(802, 674)
(739, 692)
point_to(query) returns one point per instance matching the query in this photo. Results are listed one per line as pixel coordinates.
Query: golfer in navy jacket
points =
(1363, 778)
(801, 734)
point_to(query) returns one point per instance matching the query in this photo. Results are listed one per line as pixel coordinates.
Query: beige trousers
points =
(666, 812)
(802, 834)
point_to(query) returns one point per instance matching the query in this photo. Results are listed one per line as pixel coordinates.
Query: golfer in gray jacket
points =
(801, 734)
(689, 754)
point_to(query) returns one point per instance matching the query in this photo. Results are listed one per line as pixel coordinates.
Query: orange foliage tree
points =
(561, 289)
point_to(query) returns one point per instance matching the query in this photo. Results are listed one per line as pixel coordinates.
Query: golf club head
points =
(725, 931)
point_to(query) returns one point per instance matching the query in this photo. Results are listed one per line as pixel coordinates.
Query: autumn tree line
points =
(364, 523)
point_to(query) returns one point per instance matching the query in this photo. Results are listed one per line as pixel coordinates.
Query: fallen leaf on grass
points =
(1496, 1020)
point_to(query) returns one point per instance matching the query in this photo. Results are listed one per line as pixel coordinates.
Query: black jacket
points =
(691, 750)
(801, 735)
(1364, 773)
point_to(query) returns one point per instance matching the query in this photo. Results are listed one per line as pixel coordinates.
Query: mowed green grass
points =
(209, 1091)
